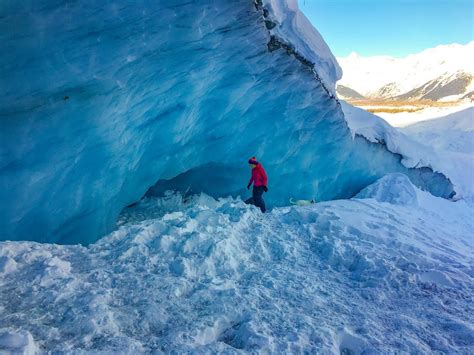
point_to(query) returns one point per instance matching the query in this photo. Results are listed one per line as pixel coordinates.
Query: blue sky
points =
(390, 27)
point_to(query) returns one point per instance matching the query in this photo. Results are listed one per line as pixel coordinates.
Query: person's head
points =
(253, 162)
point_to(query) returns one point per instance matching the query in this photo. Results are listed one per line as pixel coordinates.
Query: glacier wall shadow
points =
(100, 101)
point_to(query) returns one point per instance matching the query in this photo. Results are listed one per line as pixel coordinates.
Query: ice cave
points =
(102, 102)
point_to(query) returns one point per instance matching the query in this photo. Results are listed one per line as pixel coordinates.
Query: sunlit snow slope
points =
(452, 138)
(99, 101)
(389, 271)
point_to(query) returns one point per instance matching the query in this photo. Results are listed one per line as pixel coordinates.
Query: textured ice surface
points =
(204, 275)
(99, 101)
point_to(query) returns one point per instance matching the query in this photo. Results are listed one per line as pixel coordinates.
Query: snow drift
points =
(452, 138)
(101, 101)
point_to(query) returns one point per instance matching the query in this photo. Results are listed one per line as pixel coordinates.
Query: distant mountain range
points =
(443, 73)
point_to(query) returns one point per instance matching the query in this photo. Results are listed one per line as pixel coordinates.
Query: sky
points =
(390, 27)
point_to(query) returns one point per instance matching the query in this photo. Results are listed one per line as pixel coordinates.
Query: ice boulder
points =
(20, 342)
(393, 188)
(101, 101)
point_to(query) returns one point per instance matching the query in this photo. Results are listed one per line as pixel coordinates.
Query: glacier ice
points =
(100, 101)
(200, 275)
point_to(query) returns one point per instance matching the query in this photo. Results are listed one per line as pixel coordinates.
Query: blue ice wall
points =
(99, 100)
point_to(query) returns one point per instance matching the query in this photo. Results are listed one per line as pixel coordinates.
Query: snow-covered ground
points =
(452, 138)
(391, 270)
(402, 119)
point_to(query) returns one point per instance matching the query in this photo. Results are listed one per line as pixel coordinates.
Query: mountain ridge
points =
(442, 73)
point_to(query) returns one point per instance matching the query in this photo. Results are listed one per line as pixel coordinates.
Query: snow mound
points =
(393, 188)
(453, 132)
(201, 275)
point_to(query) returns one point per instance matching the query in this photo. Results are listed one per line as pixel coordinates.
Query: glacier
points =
(125, 131)
(101, 101)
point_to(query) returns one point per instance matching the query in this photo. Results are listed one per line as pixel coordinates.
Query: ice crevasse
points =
(101, 101)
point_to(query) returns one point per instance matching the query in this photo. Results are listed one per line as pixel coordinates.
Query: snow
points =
(368, 74)
(202, 275)
(376, 130)
(452, 138)
(294, 27)
(402, 119)
(118, 102)
(453, 132)
(393, 188)
(444, 144)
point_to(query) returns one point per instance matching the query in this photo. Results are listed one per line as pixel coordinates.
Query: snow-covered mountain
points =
(348, 93)
(443, 73)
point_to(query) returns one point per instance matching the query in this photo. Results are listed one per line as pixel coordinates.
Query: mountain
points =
(443, 73)
(448, 87)
(348, 93)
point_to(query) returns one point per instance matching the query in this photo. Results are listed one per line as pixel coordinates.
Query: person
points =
(259, 180)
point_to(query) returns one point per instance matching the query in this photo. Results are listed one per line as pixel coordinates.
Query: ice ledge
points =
(290, 28)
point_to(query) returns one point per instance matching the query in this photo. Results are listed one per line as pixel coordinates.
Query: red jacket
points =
(259, 176)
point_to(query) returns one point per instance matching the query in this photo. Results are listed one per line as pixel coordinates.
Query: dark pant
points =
(257, 198)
